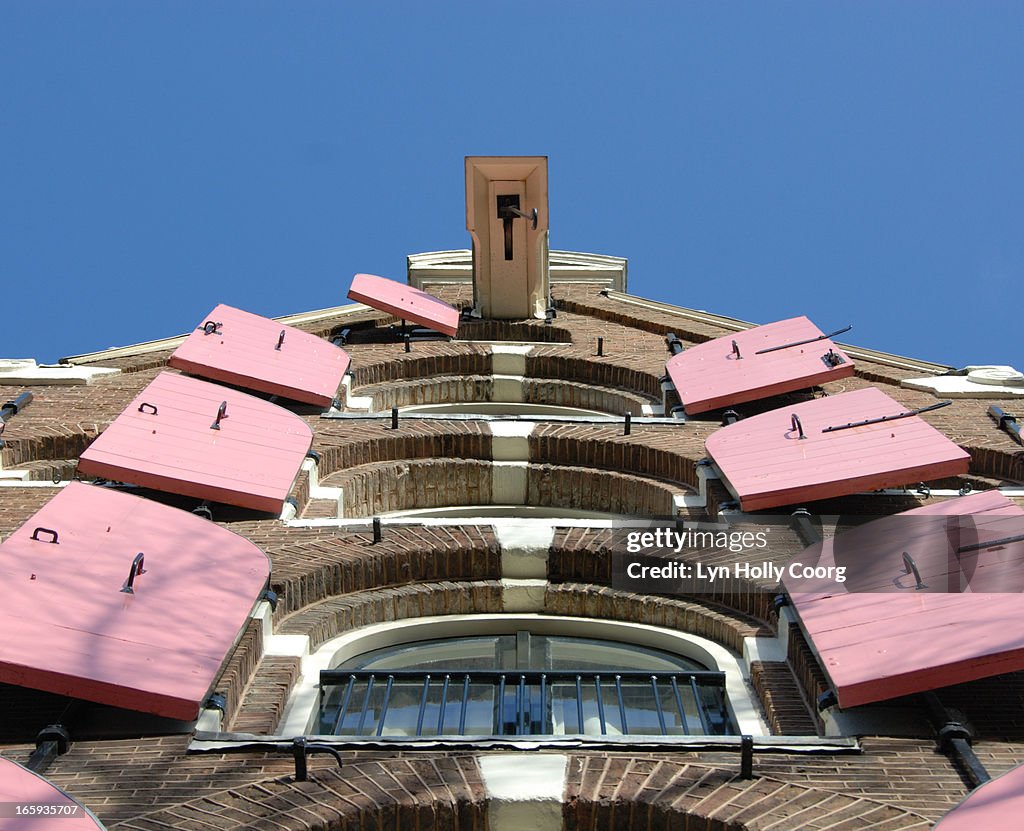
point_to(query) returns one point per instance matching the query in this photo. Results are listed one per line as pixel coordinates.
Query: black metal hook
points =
(211, 328)
(280, 341)
(911, 568)
(144, 404)
(135, 571)
(796, 425)
(736, 351)
(222, 413)
(300, 748)
(52, 541)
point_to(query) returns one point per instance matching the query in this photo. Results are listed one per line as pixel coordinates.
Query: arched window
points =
(522, 683)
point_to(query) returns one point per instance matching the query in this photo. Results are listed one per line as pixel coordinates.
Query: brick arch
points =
(344, 445)
(636, 794)
(418, 792)
(604, 372)
(999, 464)
(468, 389)
(408, 484)
(425, 361)
(336, 615)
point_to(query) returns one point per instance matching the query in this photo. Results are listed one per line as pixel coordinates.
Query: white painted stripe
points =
(524, 794)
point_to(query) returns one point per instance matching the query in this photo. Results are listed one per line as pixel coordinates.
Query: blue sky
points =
(857, 162)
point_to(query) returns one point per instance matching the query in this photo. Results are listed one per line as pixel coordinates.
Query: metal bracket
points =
(832, 359)
(212, 328)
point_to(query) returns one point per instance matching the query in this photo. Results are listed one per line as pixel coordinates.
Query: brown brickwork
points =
(647, 794)
(331, 580)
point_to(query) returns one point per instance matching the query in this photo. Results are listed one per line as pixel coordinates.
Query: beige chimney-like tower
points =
(507, 217)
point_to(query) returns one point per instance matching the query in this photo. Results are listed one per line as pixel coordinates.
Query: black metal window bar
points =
(488, 703)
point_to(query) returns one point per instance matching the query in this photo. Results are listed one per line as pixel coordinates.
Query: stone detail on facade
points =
(972, 382)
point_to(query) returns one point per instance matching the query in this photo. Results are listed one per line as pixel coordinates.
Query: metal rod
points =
(423, 705)
(622, 705)
(657, 705)
(340, 720)
(736, 351)
(444, 705)
(521, 704)
(544, 704)
(679, 706)
(384, 706)
(628, 428)
(600, 705)
(300, 747)
(15, 405)
(378, 534)
(600, 347)
(800, 521)
(465, 704)
(501, 706)
(746, 757)
(1007, 422)
(954, 739)
(579, 702)
(280, 341)
(408, 342)
(366, 705)
(907, 414)
(704, 723)
(803, 342)
(394, 418)
(675, 346)
(979, 546)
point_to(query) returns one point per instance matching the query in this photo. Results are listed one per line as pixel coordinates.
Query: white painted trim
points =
(176, 340)
(524, 795)
(301, 711)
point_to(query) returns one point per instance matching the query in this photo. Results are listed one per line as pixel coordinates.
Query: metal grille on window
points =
(522, 685)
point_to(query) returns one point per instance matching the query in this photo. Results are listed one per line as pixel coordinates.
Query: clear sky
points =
(858, 162)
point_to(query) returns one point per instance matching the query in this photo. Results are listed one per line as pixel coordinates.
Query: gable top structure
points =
(335, 581)
(507, 217)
